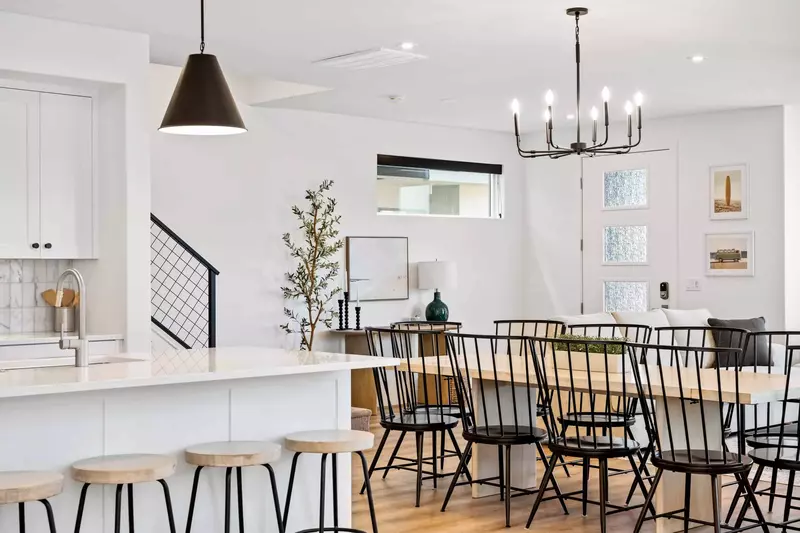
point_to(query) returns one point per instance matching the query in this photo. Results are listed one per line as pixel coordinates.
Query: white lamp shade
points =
(437, 275)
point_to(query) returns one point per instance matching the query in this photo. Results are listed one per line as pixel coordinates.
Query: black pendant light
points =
(202, 103)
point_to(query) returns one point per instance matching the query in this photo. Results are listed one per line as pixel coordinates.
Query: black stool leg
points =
(457, 449)
(369, 495)
(275, 498)
(81, 504)
(545, 480)
(335, 479)
(648, 501)
(21, 508)
(228, 499)
(772, 488)
(394, 454)
(289, 490)
(241, 498)
(687, 501)
(193, 499)
(753, 488)
(462, 465)
(585, 489)
(322, 494)
(130, 508)
(501, 469)
(603, 493)
(715, 503)
(420, 443)
(435, 465)
(788, 507)
(443, 450)
(507, 475)
(51, 521)
(118, 508)
(553, 482)
(168, 503)
(376, 457)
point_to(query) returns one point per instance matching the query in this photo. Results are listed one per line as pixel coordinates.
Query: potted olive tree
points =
(312, 282)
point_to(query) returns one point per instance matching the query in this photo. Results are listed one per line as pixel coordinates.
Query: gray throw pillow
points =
(757, 354)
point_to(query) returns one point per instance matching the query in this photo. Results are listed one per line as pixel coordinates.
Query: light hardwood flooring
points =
(394, 503)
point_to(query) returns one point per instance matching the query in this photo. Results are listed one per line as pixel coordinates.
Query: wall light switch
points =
(693, 285)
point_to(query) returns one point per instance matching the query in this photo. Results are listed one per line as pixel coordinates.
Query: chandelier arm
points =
(613, 149)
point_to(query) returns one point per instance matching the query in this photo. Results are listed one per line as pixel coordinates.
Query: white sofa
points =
(691, 318)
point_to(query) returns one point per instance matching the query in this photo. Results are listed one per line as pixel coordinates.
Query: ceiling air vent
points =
(375, 58)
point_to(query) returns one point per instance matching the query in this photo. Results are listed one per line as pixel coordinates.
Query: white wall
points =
(115, 63)
(755, 137)
(230, 198)
(791, 125)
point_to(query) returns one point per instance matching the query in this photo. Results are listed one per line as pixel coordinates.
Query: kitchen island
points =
(55, 415)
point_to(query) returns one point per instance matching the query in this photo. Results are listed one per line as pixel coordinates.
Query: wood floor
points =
(394, 502)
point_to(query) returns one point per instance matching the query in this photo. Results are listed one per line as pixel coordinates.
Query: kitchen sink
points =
(48, 362)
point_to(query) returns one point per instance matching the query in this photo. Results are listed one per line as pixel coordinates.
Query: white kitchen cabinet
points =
(47, 207)
(65, 197)
(19, 173)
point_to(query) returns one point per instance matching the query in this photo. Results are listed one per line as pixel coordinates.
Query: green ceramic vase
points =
(437, 310)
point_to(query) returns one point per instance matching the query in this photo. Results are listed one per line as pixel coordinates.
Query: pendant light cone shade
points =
(202, 103)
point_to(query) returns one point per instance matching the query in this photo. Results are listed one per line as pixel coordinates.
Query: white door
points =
(19, 174)
(629, 231)
(67, 215)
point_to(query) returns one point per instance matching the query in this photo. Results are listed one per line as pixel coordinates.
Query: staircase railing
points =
(183, 289)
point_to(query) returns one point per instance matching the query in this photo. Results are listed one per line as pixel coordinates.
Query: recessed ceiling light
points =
(448, 100)
(407, 45)
(697, 58)
(570, 117)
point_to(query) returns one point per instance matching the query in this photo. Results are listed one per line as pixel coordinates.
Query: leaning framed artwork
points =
(377, 268)
(730, 254)
(729, 192)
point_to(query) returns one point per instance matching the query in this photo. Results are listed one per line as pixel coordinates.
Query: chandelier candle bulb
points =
(639, 99)
(515, 110)
(629, 111)
(549, 98)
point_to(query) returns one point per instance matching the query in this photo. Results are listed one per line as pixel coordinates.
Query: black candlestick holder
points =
(358, 317)
(341, 311)
(346, 310)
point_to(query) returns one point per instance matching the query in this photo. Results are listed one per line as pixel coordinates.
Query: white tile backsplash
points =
(27, 270)
(22, 308)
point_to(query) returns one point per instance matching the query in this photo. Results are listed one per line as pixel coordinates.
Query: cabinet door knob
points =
(48, 245)
(35, 246)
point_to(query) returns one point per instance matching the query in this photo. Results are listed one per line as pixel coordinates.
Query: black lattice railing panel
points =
(182, 289)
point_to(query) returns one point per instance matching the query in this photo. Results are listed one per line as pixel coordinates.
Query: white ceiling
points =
(481, 53)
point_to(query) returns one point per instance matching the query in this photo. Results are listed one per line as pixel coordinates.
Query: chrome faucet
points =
(81, 344)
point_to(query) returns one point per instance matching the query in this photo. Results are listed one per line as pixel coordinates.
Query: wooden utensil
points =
(49, 297)
(76, 301)
(68, 298)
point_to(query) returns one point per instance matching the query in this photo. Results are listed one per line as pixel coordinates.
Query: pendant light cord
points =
(202, 26)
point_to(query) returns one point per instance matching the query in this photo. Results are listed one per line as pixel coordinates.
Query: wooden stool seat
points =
(233, 453)
(329, 441)
(18, 487)
(124, 469)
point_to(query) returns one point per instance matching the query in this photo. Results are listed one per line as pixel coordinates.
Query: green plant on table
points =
(582, 343)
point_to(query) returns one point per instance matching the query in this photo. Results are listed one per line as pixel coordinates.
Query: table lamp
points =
(436, 275)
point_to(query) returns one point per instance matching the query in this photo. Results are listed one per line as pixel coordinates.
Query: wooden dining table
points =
(753, 389)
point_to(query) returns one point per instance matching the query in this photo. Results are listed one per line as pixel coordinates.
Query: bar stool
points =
(121, 470)
(22, 487)
(330, 442)
(230, 455)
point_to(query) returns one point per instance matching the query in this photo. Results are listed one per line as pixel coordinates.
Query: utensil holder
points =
(64, 316)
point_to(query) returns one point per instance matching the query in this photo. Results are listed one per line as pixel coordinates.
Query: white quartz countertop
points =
(172, 367)
(24, 339)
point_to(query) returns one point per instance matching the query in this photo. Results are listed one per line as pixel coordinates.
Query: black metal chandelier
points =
(579, 147)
